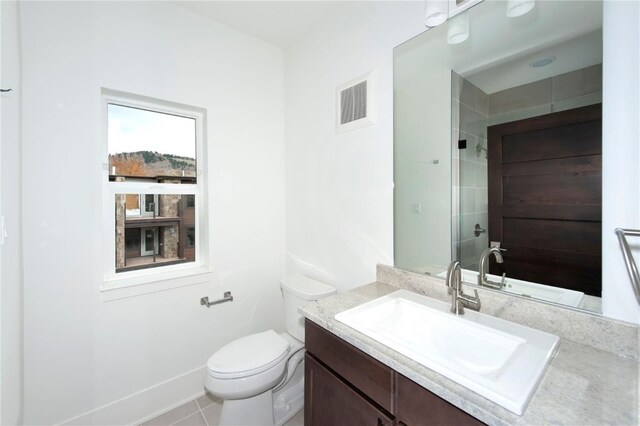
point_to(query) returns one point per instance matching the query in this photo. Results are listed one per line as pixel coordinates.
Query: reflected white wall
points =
(422, 166)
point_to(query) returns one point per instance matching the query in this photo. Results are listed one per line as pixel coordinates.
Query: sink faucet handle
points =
(471, 302)
(474, 301)
(503, 280)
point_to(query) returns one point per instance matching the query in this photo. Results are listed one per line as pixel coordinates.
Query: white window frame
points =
(161, 277)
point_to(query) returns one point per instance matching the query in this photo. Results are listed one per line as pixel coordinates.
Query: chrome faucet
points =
(459, 300)
(482, 268)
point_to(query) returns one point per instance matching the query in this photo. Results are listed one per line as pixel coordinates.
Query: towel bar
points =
(628, 258)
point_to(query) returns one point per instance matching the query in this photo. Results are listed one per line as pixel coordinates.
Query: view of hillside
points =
(150, 164)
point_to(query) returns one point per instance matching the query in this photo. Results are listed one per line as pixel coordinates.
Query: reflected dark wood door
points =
(545, 198)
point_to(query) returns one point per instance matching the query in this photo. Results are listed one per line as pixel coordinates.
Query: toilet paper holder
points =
(227, 298)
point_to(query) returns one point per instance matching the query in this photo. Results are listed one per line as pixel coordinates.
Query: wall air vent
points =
(354, 104)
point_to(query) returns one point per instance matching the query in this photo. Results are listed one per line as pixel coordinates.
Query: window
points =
(191, 237)
(154, 191)
(141, 205)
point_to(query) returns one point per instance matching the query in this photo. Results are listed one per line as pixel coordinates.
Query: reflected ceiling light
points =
(435, 12)
(542, 62)
(458, 28)
(517, 8)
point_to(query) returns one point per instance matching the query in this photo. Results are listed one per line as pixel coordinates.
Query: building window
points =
(141, 205)
(191, 237)
(154, 194)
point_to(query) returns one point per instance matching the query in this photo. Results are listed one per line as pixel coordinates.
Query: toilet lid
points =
(248, 355)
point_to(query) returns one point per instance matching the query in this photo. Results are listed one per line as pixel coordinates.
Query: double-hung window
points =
(154, 196)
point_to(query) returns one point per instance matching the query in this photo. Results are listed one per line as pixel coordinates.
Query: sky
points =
(132, 129)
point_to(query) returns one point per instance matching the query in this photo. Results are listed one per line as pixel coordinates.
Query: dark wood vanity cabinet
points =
(331, 401)
(345, 386)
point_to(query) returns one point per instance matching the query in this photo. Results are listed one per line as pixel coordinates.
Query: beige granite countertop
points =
(584, 385)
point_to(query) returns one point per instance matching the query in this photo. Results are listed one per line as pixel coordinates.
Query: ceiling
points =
(277, 22)
(499, 49)
(576, 53)
(553, 28)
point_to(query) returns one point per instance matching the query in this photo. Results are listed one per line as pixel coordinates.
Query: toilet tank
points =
(298, 291)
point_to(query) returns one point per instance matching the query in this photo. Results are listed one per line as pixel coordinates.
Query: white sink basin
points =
(498, 359)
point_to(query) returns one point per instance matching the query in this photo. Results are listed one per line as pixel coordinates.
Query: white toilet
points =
(260, 377)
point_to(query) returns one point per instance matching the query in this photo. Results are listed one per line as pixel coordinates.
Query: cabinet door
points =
(371, 377)
(417, 406)
(328, 401)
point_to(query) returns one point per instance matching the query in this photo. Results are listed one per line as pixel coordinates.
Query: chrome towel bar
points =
(628, 258)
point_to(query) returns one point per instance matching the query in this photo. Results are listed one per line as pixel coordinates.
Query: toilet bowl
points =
(260, 377)
(247, 366)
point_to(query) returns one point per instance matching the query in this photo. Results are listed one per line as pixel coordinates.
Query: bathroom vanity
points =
(593, 378)
(342, 382)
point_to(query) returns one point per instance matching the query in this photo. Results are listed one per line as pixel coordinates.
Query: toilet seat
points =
(248, 356)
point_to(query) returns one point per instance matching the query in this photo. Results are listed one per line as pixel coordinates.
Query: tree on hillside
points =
(128, 166)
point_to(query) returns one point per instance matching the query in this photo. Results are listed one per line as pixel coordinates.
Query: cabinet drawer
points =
(369, 375)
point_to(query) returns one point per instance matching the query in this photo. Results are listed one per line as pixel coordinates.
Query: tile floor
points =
(203, 411)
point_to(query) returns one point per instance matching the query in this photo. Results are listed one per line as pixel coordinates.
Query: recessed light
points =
(542, 62)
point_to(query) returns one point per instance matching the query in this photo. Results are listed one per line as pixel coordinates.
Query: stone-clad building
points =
(154, 229)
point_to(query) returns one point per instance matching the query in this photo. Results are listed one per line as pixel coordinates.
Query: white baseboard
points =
(147, 403)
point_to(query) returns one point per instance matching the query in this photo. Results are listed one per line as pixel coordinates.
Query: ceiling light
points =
(542, 62)
(458, 28)
(435, 12)
(517, 8)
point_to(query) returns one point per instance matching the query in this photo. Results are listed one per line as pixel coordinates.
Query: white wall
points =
(620, 154)
(10, 203)
(82, 353)
(339, 187)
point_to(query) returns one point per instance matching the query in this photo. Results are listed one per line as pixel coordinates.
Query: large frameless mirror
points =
(497, 143)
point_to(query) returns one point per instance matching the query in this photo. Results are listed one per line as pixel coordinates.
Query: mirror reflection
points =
(497, 143)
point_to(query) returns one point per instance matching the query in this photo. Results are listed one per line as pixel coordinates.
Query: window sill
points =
(120, 288)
